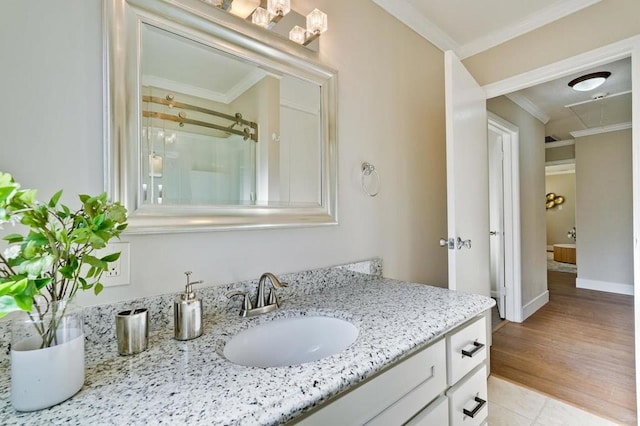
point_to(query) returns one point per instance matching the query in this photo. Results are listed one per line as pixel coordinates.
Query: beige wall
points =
(532, 209)
(604, 208)
(561, 218)
(599, 25)
(391, 113)
(560, 153)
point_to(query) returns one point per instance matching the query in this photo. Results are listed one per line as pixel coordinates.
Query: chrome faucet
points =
(262, 304)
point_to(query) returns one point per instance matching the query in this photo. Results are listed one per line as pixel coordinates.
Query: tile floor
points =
(513, 405)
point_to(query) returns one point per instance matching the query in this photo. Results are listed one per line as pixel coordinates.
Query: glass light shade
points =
(261, 17)
(298, 34)
(243, 8)
(586, 85)
(279, 7)
(317, 22)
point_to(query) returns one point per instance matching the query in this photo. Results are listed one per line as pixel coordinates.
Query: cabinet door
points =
(437, 413)
(468, 400)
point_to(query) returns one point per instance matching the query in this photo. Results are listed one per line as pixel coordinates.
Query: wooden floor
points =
(578, 348)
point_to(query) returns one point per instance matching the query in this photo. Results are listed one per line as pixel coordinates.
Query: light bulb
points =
(298, 34)
(243, 8)
(279, 7)
(317, 22)
(261, 17)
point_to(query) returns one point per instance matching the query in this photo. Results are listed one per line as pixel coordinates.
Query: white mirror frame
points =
(122, 118)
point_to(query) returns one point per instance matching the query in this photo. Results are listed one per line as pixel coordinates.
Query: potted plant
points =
(40, 273)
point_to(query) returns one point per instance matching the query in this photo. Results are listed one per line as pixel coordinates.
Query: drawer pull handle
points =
(480, 403)
(477, 346)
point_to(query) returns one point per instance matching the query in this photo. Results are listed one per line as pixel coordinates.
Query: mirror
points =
(209, 128)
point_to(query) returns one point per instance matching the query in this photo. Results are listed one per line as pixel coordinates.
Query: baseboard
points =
(537, 303)
(609, 287)
(494, 294)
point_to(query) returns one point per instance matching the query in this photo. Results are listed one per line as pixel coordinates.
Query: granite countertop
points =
(191, 382)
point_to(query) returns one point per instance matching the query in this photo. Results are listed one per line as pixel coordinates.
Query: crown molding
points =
(532, 22)
(411, 17)
(600, 130)
(187, 89)
(526, 104)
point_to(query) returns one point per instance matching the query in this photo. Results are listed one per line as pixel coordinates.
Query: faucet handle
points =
(273, 298)
(246, 302)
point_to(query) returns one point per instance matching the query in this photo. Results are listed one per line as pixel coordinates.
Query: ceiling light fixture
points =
(589, 81)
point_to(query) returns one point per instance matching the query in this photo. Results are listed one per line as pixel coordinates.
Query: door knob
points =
(493, 232)
(448, 243)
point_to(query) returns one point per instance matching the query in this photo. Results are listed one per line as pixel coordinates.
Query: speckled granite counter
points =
(192, 383)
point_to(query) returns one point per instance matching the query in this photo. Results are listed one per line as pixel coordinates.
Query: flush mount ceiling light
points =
(589, 81)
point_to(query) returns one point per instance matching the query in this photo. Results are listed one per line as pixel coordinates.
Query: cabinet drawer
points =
(437, 413)
(466, 349)
(419, 397)
(468, 400)
(420, 378)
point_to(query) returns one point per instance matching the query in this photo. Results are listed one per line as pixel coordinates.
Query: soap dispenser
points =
(187, 313)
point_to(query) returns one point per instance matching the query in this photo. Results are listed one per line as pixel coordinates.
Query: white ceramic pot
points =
(45, 372)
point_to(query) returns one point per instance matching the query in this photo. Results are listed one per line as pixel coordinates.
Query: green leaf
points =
(97, 288)
(28, 196)
(14, 238)
(34, 267)
(95, 262)
(24, 302)
(67, 271)
(54, 200)
(41, 283)
(111, 257)
(6, 193)
(93, 272)
(84, 285)
(7, 304)
(13, 287)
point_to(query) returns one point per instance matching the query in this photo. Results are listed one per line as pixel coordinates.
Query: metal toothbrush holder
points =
(132, 331)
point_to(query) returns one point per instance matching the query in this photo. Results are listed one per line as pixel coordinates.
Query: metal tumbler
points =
(132, 331)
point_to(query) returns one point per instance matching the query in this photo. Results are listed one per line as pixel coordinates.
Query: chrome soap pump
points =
(187, 313)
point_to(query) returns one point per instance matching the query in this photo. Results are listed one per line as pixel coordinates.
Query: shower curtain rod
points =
(249, 132)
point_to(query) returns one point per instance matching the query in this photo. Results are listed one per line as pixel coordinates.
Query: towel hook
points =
(367, 170)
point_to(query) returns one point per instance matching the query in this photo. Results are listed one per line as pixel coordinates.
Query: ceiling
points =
(567, 113)
(470, 27)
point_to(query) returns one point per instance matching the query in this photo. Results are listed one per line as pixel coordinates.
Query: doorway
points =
(504, 216)
(626, 48)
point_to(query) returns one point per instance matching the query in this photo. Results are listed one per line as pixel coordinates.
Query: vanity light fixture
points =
(590, 81)
(268, 13)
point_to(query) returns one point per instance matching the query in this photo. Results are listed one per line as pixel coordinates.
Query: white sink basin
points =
(290, 341)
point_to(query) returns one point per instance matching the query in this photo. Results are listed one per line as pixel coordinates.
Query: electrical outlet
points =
(114, 269)
(118, 273)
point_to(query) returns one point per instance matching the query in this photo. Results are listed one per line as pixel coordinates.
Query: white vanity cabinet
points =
(443, 384)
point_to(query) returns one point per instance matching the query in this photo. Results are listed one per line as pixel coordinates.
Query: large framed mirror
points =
(212, 123)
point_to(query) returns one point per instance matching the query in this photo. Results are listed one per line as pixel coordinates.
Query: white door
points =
(467, 180)
(496, 219)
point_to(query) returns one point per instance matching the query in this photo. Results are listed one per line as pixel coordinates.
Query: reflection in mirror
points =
(212, 132)
(214, 124)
